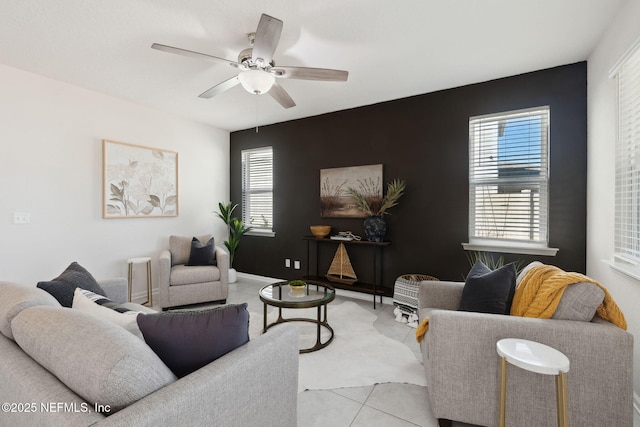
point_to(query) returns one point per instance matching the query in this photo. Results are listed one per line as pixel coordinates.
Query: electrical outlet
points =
(287, 263)
(296, 265)
(21, 217)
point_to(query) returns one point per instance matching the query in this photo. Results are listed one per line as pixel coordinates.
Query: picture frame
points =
(335, 200)
(138, 181)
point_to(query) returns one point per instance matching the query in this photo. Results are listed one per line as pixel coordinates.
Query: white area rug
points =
(358, 355)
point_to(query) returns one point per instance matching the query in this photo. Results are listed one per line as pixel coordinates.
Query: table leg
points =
(318, 327)
(264, 319)
(561, 396)
(503, 391)
(149, 284)
(130, 279)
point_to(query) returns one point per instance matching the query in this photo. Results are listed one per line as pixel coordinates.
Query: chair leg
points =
(444, 423)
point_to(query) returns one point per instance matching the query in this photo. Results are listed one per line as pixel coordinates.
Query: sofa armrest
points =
(461, 362)
(439, 294)
(117, 289)
(254, 385)
(222, 259)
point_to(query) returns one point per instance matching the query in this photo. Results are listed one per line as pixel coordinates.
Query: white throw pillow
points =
(84, 300)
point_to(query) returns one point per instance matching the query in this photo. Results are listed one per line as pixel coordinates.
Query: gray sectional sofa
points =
(79, 362)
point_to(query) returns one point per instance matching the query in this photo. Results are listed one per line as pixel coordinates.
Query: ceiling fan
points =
(258, 71)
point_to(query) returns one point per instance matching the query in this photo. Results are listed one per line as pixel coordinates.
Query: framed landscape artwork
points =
(138, 181)
(335, 200)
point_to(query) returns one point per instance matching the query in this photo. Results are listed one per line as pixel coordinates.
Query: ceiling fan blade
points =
(279, 94)
(189, 53)
(304, 73)
(267, 37)
(220, 87)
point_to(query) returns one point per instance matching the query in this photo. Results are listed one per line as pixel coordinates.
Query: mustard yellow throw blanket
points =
(540, 292)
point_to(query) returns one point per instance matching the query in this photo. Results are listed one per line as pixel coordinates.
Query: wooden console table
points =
(374, 288)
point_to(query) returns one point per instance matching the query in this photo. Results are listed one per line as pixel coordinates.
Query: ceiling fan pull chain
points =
(256, 115)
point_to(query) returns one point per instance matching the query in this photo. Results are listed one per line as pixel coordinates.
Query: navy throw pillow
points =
(487, 291)
(63, 286)
(202, 253)
(186, 341)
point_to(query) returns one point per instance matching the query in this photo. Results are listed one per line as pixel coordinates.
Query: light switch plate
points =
(21, 217)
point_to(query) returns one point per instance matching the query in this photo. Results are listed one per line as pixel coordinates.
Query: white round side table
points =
(535, 357)
(141, 260)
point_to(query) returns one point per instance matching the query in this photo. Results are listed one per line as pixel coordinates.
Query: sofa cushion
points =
(579, 302)
(188, 340)
(103, 307)
(487, 291)
(63, 286)
(202, 253)
(98, 360)
(188, 275)
(180, 247)
(16, 298)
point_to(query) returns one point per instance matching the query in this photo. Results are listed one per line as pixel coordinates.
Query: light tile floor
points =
(384, 405)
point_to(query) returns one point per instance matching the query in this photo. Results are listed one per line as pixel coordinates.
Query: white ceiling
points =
(392, 49)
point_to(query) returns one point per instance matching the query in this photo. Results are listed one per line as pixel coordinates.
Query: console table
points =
(375, 288)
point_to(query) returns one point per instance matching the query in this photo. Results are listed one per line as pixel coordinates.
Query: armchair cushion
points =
(487, 291)
(202, 253)
(187, 275)
(186, 341)
(63, 286)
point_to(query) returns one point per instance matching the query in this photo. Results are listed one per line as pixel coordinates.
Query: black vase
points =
(375, 228)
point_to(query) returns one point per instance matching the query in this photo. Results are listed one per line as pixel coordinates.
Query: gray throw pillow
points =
(579, 302)
(202, 253)
(98, 360)
(187, 341)
(63, 286)
(487, 291)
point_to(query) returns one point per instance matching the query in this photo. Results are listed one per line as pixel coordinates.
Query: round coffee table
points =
(315, 295)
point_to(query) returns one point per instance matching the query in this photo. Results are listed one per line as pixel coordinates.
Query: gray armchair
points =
(462, 366)
(180, 284)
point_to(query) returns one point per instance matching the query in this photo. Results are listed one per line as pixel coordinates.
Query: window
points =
(627, 187)
(257, 190)
(508, 181)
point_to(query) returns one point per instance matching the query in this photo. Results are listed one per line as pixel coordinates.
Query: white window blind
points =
(627, 184)
(257, 188)
(508, 176)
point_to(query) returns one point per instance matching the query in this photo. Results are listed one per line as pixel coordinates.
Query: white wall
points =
(601, 169)
(51, 166)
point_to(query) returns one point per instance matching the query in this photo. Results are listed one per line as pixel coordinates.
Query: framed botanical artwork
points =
(138, 182)
(335, 200)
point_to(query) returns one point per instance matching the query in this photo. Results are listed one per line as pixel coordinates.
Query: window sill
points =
(628, 269)
(260, 233)
(510, 248)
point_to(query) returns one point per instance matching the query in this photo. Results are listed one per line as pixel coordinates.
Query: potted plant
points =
(375, 207)
(236, 229)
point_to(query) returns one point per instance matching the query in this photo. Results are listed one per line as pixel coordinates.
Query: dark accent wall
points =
(423, 140)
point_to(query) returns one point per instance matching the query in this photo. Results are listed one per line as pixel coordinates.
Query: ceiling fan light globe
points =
(256, 81)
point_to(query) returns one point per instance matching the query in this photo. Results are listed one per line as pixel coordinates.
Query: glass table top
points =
(313, 294)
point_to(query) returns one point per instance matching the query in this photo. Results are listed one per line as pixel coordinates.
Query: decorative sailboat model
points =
(340, 270)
